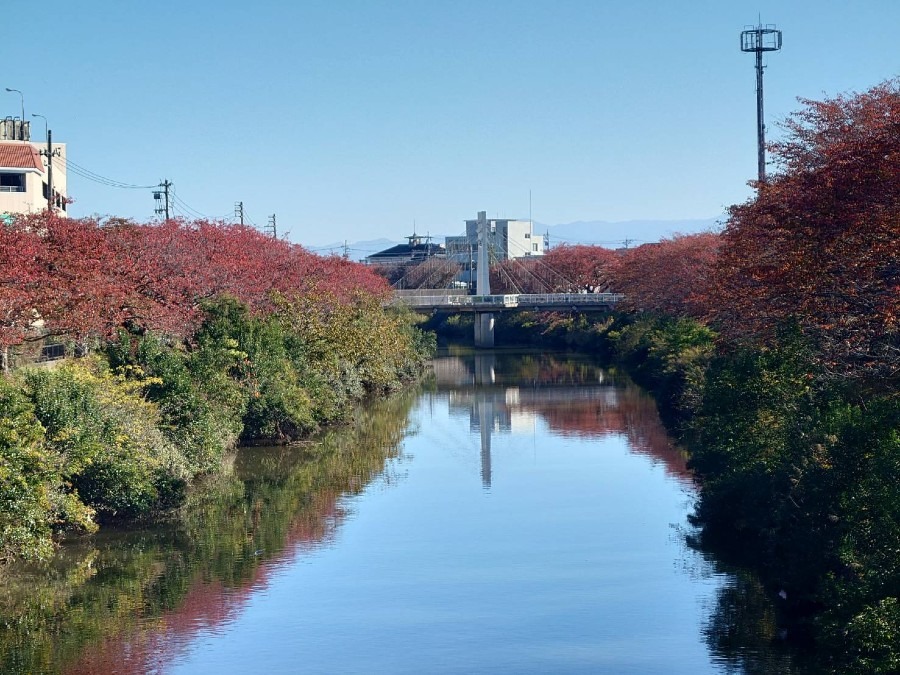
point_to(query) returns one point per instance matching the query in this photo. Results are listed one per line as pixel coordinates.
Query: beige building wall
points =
(33, 200)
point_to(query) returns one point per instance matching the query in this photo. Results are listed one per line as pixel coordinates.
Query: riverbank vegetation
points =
(774, 350)
(106, 604)
(193, 337)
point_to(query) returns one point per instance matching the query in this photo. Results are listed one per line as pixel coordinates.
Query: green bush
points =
(277, 407)
(194, 416)
(28, 480)
(107, 437)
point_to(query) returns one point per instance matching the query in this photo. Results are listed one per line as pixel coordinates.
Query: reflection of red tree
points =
(208, 606)
(632, 415)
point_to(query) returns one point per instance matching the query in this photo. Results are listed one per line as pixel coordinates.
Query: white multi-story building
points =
(506, 238)
(24, 176)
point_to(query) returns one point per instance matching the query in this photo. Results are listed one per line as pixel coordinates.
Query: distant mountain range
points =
(358, 250)
(595, 232)
(629, 232)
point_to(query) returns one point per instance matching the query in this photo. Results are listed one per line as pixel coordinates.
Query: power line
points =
(176, 202)
(187, 208)
(67, 164)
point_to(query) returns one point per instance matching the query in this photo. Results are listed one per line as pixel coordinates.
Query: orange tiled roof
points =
(20, 156)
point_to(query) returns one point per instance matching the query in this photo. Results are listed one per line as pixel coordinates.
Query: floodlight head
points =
(761, 39)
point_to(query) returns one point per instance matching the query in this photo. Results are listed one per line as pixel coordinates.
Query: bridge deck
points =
(499, 303)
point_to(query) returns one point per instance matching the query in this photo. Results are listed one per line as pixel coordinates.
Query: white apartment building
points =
(24, 179)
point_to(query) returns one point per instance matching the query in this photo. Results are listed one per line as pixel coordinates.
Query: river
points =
(517, 513)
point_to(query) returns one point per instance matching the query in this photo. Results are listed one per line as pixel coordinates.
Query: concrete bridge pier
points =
(484, 329)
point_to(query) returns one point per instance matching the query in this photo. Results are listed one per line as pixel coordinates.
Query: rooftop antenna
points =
(759, 39)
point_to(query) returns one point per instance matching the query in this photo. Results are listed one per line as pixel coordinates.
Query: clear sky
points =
(353, 119)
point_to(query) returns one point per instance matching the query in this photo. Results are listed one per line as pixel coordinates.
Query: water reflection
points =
(132, 602)
(571, 396)
(550, 565)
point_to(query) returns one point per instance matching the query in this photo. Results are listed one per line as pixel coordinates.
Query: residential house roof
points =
(18, 155)
(405, 252)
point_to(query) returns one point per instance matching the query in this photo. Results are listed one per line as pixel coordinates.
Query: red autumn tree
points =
(517, 275)
(819, 246)
(564, 269)
(435, 272)
(170, 268)
(669, 277)
(579, 267)
(21, 279)
(85, 279)
(81, 296)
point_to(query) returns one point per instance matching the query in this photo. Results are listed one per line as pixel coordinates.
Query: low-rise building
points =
(24, 174)
(417, 250)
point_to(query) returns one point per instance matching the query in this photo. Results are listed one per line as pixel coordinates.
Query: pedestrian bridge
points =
(553, 302)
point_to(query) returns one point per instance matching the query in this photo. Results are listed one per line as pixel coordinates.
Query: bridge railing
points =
(562, 299)
(509, 300)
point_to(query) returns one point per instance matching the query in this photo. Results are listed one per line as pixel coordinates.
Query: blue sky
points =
(353, 119)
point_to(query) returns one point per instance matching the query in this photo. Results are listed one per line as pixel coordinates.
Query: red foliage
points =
(518, 275)
(435, 272)
(580, 267)
(86, 279)
(671, 277)
(79, 296)
(820, 244)
(21, 277)
(565, 269)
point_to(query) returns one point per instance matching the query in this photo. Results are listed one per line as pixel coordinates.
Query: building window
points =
(12, 182)
(528, 235)
(534, 248)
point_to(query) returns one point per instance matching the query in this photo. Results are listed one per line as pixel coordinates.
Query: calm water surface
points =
(518, 514)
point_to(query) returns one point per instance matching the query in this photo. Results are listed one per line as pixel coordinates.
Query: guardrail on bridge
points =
(508, 301)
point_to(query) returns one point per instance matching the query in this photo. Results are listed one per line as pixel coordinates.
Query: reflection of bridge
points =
(499, 303)
(498, 399)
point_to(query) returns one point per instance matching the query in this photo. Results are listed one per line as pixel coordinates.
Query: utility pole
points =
(158, 195)
(50, 153)
(760, 39)
(346, 250)
(272, 229)
(239, 211)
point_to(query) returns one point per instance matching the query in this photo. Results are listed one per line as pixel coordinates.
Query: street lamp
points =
(46, 134)
(21, 96)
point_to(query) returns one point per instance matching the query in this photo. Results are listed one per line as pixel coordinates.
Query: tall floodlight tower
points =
(760, 39)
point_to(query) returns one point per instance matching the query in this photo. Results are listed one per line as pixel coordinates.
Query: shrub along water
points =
(798, 473)
(121, 434)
